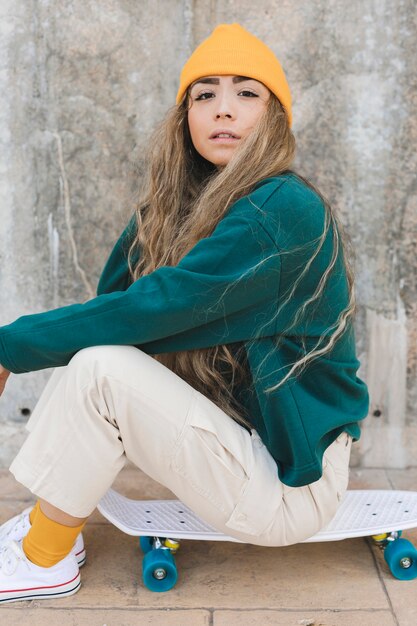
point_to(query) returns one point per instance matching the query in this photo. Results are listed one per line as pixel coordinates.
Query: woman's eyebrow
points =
(216, 81)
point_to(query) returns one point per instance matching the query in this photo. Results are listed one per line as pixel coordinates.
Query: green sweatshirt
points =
(185, 307)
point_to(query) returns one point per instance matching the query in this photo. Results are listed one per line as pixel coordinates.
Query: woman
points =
(219, 353)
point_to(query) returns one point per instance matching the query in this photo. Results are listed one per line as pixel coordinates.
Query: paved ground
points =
(342, 583)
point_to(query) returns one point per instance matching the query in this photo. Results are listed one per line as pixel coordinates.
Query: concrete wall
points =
(83, 83)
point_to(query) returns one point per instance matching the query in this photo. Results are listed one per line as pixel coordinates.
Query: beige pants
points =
(113, 403)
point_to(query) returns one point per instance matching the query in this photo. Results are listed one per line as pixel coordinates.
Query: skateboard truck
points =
(173, 545)
(383, 539)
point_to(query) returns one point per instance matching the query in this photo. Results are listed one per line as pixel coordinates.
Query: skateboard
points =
(161, 524)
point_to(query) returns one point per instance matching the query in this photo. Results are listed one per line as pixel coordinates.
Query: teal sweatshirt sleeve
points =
(213, 296)
(115, 275)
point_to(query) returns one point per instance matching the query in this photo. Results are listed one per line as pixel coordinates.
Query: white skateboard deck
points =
(361, 514)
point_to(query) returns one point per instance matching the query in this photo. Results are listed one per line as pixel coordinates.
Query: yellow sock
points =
(33, 513)
(48, 542)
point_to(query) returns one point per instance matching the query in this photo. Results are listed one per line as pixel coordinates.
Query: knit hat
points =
(231, 49)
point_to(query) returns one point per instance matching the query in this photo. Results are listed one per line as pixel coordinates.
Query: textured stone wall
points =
(83, 83)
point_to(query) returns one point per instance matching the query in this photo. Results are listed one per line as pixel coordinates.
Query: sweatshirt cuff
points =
(5, 359)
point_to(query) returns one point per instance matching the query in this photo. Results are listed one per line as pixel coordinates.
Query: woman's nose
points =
(224, 107)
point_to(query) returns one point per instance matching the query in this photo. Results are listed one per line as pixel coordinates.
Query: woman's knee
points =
(103, 355)
(127, 364)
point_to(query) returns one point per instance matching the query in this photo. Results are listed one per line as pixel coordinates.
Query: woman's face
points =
(232, 104)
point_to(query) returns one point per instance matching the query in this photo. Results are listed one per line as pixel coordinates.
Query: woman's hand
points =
(4, 375)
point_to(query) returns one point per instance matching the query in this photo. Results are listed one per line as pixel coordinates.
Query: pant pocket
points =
(213, 455)
(260, 504)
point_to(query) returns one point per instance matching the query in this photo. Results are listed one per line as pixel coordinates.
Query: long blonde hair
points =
(183, 197)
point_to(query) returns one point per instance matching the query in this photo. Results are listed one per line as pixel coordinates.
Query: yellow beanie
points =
(231, 49)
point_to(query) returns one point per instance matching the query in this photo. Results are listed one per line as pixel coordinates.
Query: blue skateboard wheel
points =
(159, 570)
(401, 557)
(145, 544)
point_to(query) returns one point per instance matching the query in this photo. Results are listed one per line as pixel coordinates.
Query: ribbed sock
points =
(33, 513)
(48, 542)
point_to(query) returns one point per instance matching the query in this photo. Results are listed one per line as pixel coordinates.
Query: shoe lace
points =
(21, 521)
(10, 556)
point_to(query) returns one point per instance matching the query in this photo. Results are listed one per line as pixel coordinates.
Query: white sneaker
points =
(20, 579)
(18, 527)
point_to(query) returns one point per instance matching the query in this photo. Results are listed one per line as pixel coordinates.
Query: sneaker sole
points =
(43, 593)
(81, 557)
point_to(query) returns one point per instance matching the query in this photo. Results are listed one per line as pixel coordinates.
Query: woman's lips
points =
(224, 139)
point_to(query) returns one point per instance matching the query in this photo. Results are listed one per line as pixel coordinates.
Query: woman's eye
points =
(250, 93)
(205, 93)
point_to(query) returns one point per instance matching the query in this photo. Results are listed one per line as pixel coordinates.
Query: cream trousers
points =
(113, 403)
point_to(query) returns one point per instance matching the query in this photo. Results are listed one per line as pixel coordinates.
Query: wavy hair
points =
(172, 215)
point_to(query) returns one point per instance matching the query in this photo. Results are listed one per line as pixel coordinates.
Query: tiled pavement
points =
(342, 583)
